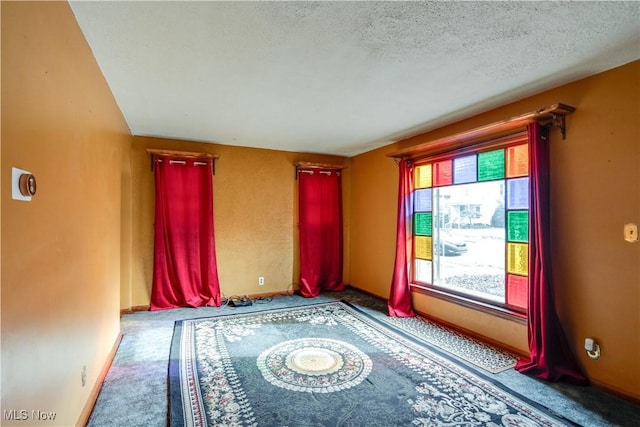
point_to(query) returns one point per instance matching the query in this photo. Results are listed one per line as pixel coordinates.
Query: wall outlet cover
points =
(631, 232)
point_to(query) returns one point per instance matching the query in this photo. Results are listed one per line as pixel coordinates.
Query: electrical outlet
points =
(260, 281)
(83, 375)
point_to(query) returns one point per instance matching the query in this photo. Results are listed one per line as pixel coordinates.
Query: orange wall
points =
(61, 251)
(255, 217)
(595, 176)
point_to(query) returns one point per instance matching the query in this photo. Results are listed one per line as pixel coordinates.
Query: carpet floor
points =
(134, 392)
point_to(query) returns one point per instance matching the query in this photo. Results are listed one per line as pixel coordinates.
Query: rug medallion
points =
(317, 365)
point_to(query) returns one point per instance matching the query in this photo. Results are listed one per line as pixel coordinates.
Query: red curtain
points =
(184, 265)
(320, 217)
(399, 303)
(550, 357)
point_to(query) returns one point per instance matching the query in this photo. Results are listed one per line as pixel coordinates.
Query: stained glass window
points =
(442, 173)
(517, 258)
(518, 226)
(422, 200)
(518, 193)
(423, 247)
(422, 225)
(423, 177)
(471, 224)
(464, 169)
(491, 165)
(518, 160)
(517, 291)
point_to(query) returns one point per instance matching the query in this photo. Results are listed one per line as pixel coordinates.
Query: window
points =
(471, 224)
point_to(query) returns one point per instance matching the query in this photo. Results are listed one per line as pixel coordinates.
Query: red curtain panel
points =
(550, 357)
(399, 303)
(320, 222)
(184, 266)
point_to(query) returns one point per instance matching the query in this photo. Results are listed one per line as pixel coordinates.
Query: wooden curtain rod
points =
(155, 152)
(181, 154)
(312, 165)
(553, 114)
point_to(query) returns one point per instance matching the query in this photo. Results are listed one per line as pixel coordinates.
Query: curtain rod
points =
(155, 152)
(312, 165)
(181, 154)
(553, 115)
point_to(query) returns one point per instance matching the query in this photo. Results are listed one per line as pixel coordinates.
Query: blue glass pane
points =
(518, 193)
(422, 200)
(464, 169)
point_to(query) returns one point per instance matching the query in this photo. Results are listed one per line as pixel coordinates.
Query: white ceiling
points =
(341, 77)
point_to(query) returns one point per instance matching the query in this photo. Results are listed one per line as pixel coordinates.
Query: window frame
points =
(460, 298)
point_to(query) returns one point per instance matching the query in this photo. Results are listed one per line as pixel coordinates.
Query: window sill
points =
(472, 304)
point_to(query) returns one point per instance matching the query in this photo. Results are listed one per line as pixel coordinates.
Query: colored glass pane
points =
(518, 226)
(422, 223)
(422, 247)
(464, 169)
(518, 193)
(442, 173)
(491, 165)
(422, 200)
(423, 176)
(423, 271)
(517, 291)
(518, 160)
(518, 258)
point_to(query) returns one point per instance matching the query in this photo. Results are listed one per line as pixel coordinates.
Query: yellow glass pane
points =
(518, 258)
(423, 247)
(423, 176)
(518, 161)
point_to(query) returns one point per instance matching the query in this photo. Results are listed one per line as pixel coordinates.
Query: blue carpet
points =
(135, 390)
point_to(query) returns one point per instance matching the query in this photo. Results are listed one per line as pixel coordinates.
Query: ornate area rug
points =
(328, 365)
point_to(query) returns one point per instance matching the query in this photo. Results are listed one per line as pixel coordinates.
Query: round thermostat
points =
(27, 184)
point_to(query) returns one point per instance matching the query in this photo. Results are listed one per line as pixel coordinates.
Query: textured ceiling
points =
(341, 77)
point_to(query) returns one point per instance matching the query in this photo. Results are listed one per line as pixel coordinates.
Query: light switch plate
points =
(631, 232)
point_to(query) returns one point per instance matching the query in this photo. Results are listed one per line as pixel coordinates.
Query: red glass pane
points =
(517, 290)
(442, 173)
